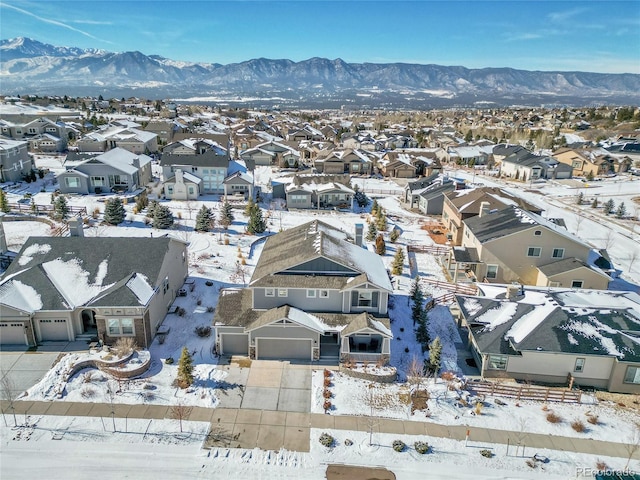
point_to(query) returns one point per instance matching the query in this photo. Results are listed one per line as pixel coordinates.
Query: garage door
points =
(270, 348)
(235, 344)
(12, 334)
(53, 329)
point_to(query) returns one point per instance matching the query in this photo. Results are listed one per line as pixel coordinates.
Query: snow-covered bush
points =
(327, 440)
(421, 447)
(486, 453)
(399, 445)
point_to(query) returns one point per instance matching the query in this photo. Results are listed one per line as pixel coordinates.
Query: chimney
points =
(359, 234)
(76, 227)
(484, 209)
(179, 177)
(136, 162)
(3, 239)
(512, 291)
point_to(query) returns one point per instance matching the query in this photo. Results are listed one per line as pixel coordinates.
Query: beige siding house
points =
(555, 336)
(64, 288)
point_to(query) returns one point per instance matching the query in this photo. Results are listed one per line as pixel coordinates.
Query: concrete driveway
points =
(26, 368)
(267, 385)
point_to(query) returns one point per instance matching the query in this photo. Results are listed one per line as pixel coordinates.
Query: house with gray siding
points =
(556, 336)
(117, 170)
(313, 294)
(15, 161)
(61, 288)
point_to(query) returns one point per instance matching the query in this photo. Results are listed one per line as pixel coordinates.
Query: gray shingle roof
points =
(497, 224)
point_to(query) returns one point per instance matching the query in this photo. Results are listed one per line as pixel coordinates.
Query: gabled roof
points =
(567, 265)
(469, 201)
(313, 240)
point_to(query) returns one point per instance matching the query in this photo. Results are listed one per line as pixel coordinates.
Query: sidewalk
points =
(272, 430)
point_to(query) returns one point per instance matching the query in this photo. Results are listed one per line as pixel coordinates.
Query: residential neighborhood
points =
(449, 269)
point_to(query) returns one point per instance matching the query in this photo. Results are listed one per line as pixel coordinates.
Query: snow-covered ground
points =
(212, 260)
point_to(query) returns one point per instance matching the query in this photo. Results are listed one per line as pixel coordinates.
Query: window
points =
(170, 189)
(579, 365)
(534, 252)
(492, 271)
(191, 191)
(311, 294)
(497, 362)
(282, 292)
(576, 284)
(537, 233)
(97, 181)
(72, 182)
(558, 253)
(632, 375)
(554, 284)
(324, 293)
(269, 292)
(165, 285)
(120, 326)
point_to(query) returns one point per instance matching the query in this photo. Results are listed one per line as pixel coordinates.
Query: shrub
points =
(601, 466)
(348, 442)
(327, 382)
(553, 418)
(478, 408)
(327, 373)
(327, 440)
(181, 312)
(500, 402)
(210, 309)
(486, 453)
(326, 393)
(148, 386)
(199, 302)
(87, 377)
(169, 361)
(531, 463)
(592, 419)
(208, 283)
(399, 445)
(578, 426)
(203, 331)
(124, 346)
(326, 405)
(421, 447)
(87, 392)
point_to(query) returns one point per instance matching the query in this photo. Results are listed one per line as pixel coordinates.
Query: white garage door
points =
(275, 348)
(12, 334)
(234, 344)
(53, 329)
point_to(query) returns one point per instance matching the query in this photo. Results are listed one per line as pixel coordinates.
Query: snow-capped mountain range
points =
(29, 66)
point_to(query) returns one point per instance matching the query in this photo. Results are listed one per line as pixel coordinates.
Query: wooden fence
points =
(525, 392)
(464, 288)
(432, 249)
(37, 209)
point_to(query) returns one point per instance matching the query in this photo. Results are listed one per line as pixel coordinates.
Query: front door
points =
(89, 321)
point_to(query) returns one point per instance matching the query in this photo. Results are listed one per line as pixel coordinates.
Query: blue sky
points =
(596, 36)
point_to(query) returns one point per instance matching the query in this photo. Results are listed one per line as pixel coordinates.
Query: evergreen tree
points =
(609, 206)
(394, 235)
(114, 211)
(594, 204)
(622, 210)
(4, 202)
(381, 220)
(415, 294)
(151, 208)
(422, 331)
(435, 353)
(203, 219)
(580, 199)
(372, 232)
(589, 176)
(360, 197)
(60, 208)
(226, 215)
(185, 369)
(374, 208)
(398, 262)
(249, 208)
(256, 223)
(381, 247)
(34, 207)
(162, 217)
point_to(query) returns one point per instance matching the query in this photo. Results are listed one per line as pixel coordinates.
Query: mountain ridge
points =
(29, 66)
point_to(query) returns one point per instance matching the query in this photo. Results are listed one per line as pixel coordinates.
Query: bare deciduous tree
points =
(632, 445)
(416, 373)
(579, 220)
(180, 412)
(632, 258)
(8, 391)
(609, 239)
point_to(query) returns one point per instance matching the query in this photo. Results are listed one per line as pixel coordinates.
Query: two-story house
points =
(514, 245)
(463, 204)
(15, 161)
(59, 288)
(313, 294)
